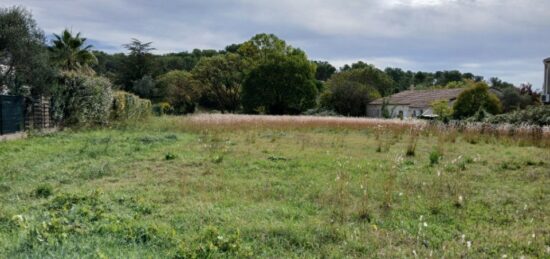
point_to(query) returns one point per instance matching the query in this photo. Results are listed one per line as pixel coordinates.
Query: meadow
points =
(277, 187)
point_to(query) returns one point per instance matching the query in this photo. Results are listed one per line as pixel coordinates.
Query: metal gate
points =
(12, 114)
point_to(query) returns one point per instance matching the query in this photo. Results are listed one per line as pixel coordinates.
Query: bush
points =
(435, 156)
(475, 98)
(43, 191)
(82, 99)
(179, 90)
(533, 115)
(348, 98)
(127, 106)
(162, 108)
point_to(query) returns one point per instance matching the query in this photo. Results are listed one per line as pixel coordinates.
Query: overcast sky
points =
(503, 38)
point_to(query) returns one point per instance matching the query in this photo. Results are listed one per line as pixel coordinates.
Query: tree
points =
(499, 84)
(369, 76)
(139, 63)
(324, 70)
(348, 97)
(24, 65)
(356, 65)
(284, 85)
(476, 98)
(442, 109)
(71, 52)
(177, 88)
(219, 79)
(144, 87)
(402, 80)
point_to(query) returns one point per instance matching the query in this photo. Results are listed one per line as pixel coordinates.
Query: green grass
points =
(158, 190)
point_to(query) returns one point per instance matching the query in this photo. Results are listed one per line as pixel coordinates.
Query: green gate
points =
(12, 115)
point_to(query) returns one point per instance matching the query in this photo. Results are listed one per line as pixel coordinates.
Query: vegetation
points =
(127, 106)
(442, 109)
(294, 189)
(70, 52)
(285, 85)
(533, 115)
(82, 99)
(24, 57)
(474, 99)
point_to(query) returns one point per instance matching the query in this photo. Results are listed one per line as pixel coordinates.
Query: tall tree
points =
(24, 66)
(138, 64)
(324, 70)
(219, 79)
(70, 52)
(178, 88)
(284, 85)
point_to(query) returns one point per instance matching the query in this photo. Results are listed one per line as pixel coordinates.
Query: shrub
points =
(82, 99)
(127, 106)
(43, 191)
(347, 97)
(475, 98)
(179, 90)
(435, 156)
(533, 115)
(162, 108)
(442, 109)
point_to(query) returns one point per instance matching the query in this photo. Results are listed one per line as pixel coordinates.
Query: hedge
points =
(127, 106)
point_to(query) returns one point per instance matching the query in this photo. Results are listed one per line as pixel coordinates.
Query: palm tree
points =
(71, 53)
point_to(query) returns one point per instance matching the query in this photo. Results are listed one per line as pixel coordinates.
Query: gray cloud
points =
(504, 38)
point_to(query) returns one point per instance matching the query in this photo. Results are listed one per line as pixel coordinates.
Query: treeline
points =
(263, 75)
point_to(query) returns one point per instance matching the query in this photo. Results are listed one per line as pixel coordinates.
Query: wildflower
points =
(469, 244)
(425, 224)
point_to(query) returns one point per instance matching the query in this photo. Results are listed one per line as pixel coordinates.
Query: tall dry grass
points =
(470, 132)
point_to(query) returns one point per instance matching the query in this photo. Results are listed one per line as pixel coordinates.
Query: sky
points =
(493, 38)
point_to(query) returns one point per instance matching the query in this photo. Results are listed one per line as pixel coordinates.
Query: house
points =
(412, 103)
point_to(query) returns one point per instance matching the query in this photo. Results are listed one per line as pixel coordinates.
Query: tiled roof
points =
(421, 98)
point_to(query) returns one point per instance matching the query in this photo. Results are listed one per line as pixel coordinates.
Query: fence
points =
(12, 114)
(18, 113)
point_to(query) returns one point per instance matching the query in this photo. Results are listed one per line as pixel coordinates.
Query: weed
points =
(170, 156)
(435, 156)
(43, 191)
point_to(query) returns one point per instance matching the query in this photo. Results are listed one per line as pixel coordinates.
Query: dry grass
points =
(472, 132)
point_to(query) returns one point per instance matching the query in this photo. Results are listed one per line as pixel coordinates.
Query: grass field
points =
(164, 188)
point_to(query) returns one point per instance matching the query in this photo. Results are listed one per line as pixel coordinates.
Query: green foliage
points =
(219, 80)
(435, 156)
(43, 191)
(137, 64)
(533, 115)
(347, 97)
(144, 87)
(127, 106)
(442, 109)
(264, 48)
(324, 70)
(83, 99)
(71, 52)
(476, 97)
(367, 75)
(285, 85)
(213, 244)
(178, 88)
(23, 54)
(162, 108)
